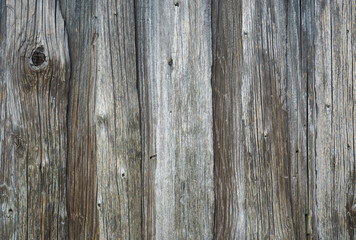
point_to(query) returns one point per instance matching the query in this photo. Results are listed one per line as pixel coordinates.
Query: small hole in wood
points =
(38, 57)
(10, 210)
(170, 62)
(99, 205)
(176, 4)
(297, 151)
(122, 175)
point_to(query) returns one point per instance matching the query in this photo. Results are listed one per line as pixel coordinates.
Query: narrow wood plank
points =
(117, 122)
(81, 24)
(299, 44)
(265, 118)
(332, 95)
(34, 83)
(229, 164)
(174, 49)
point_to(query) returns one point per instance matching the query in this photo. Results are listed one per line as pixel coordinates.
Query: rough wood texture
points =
(177, 119)
(259, 121)
(230, 215)
(33, 103)
(104, 157)
(83, 222)
(174, 45)
(117, 122)
(283, 94)
(332, 102)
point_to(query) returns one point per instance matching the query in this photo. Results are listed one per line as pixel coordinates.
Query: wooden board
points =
(83, 222)
(35, 72)
(259, 121)
(331, 106)
(174, 43)
(104, 161)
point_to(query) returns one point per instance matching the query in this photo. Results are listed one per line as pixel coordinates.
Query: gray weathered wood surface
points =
(331, 105)
(174, 43)
(259, 120)
(177, 119)
(33, 121)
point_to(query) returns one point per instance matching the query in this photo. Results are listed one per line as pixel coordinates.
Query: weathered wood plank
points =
(104, 160)
(265, 121)
(117, 122)
(278, 118)
(259, 120)
(229, 167)
(332, 96)
(82, 161)
(33, 141)
(174, 49)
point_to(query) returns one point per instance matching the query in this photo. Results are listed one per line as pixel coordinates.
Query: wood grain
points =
(34, 85)
(177, 119)
(104, 158)
(83, 221)
(117, 123)
(174, 43)
(259, 120)
(332, 102)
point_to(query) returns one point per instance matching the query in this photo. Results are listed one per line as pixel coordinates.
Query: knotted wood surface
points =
(177, 119)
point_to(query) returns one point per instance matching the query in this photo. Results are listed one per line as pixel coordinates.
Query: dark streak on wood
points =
(229, 171)
(82, 146)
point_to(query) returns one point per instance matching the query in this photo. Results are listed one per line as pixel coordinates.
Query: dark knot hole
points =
(38, 57)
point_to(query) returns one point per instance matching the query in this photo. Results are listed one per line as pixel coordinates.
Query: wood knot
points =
(38, 57)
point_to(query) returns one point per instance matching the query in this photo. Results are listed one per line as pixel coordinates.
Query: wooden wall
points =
(177, 119)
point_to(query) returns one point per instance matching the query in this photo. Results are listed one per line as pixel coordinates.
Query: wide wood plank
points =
(104, 157)
(174, 49)
(33, 127)
(260, 121)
